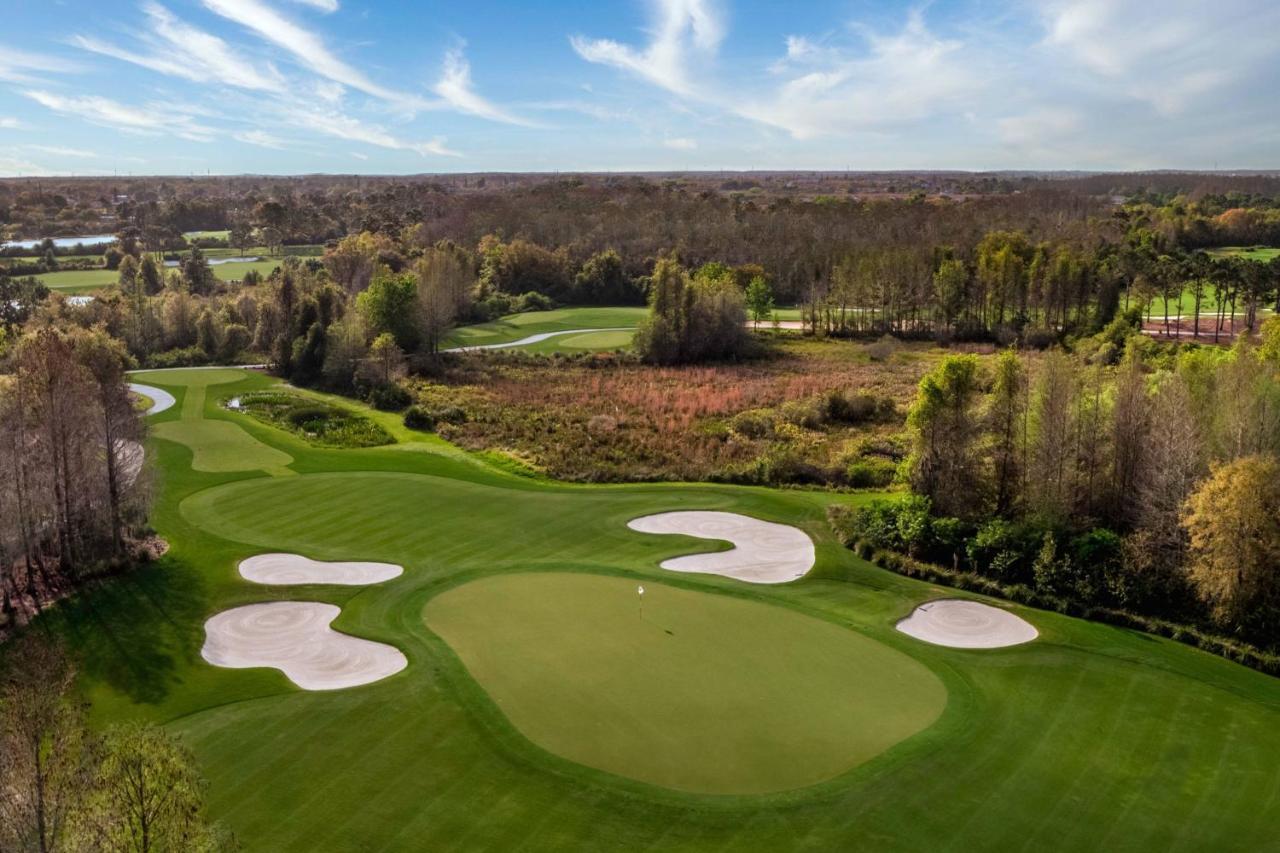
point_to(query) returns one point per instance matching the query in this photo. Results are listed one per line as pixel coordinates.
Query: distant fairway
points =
(531, 717)
(515, 327)
(1252, 253)
(706, 693)
(85, 281)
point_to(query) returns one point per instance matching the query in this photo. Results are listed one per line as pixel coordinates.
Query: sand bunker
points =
(295, 638)
(763, 552)
(967, 625)
(294, 569)
(160, 400)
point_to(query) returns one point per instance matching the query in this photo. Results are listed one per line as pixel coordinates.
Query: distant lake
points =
(64, 242)
(213, 262)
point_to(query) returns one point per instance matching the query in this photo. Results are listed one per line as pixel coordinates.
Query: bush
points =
(860, 408)
(870, 473)
(532, 301)
(184, 357)
(389, 398)
(450, 415)
(420, 419)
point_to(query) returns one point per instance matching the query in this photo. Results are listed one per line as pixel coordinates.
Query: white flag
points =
(642, 590)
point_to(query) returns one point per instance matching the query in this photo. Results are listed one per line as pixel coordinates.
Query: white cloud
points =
(305, 46)
(456, 88)
(326, 6)
(1170, 56)
(61, 151)
(684, 30)
(899, 78)
(260, 138)
(10, 124)
(14, 166)
(359, 156)
(16, 65)
(180, 50)
(680, 143)
(152, 119)
(342, 126)
(1039, 128)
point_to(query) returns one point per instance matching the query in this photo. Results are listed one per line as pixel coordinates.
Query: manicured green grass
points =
(208, 235)
(1089, 738)
(696, 692)
(1253, 253)
(86, 281)
(516, 327)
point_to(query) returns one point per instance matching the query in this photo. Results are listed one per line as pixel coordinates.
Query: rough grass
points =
(1090, 738)
(319, 423)
(615, 419)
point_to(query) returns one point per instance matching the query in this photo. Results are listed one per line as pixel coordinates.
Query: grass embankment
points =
(517, 327)
(1088, 738)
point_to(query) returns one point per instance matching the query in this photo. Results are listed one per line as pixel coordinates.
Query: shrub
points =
(450, 415)
(389, 398)
(857, 409)
(753, 424)
(420, 419)
(883, 349)
(870, 473)
(532, 301)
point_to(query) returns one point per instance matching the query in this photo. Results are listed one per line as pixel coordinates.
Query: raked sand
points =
(294, 570)
(763, 552)
(295, 638)
(967, 625)
(160, 399)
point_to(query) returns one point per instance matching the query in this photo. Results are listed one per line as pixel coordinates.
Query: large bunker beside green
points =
(700, 692)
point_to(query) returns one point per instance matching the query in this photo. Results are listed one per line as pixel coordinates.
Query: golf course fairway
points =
(535, 711)
(702, 693)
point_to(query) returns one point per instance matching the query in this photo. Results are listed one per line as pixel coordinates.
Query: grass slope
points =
(86, 281)
(515, 327)
(1089, 738)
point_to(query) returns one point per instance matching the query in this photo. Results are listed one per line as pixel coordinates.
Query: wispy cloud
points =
(1189, 50)
(260, 138)
(306, 47)
(341, 126)
(680, 143)
(326, 6)
(7, 123)
(153, 119)
(897, 78)
(683, 31)
(457, 90)
(181, 50)
(61, 151)
(20, 66)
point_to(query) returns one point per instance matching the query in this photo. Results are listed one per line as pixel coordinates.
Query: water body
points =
(89, 240)
(214, 262)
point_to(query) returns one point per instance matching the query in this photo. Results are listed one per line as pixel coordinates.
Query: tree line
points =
(1145, 486)
(77, 496)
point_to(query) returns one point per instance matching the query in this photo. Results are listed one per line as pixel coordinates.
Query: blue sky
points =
(374, 86)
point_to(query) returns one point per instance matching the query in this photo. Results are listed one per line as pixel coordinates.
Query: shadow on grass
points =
(132, 631)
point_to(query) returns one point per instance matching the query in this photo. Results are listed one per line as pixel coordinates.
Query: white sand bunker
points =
(967, 625)
(764, 552)
(294, 569)
(295, 638)
(160, 399)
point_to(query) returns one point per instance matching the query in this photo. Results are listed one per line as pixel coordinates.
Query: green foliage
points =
(689, 321)
(321, 424)
(759, 299)
(944, 427)
(387, 306)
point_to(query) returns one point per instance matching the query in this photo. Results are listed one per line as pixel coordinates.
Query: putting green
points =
(703, 693)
